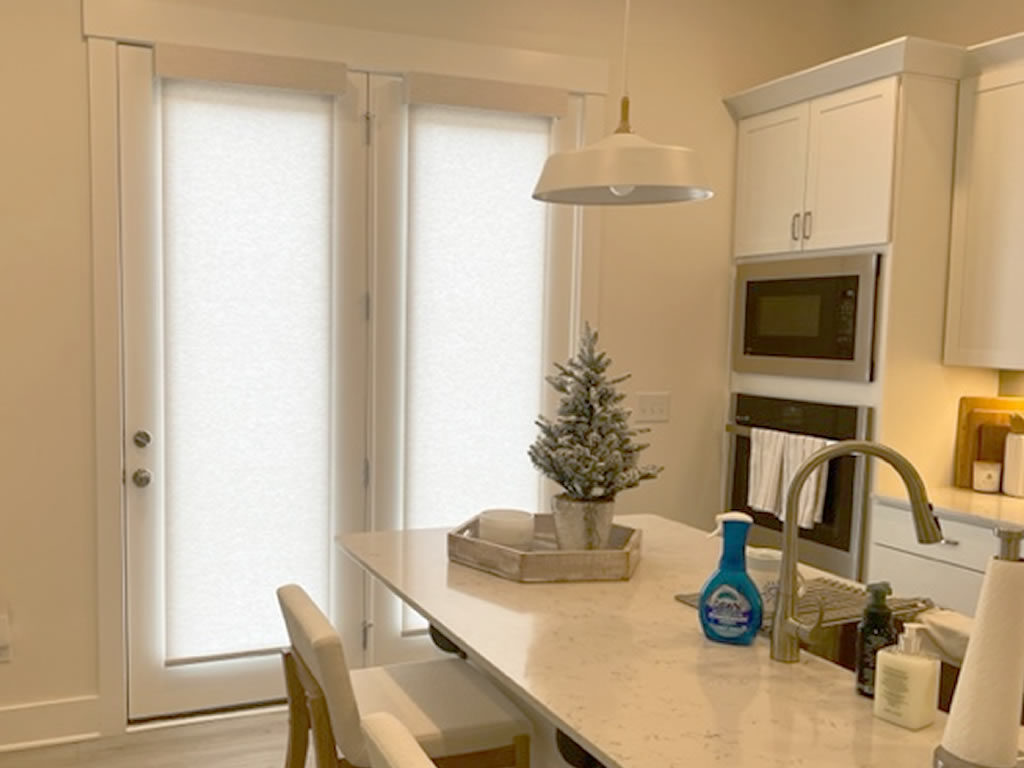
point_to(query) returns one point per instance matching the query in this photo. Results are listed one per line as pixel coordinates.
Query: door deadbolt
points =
(142, 477)
(142, 438)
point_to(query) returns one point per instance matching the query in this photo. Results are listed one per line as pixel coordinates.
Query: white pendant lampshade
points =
(622, 169)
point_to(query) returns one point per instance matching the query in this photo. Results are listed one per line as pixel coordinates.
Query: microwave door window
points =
(795, 316)
(804, 318)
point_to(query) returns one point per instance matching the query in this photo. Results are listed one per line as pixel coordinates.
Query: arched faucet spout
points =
(786, 627)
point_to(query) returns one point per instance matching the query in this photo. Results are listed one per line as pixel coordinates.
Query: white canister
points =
(985, 477)
(1013, 465)
(763, 566)
(508, 527)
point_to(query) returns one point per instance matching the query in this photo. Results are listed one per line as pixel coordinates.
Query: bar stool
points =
(391, 745)
(456, 715)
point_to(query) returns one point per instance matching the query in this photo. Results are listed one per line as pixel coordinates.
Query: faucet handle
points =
(811, 633)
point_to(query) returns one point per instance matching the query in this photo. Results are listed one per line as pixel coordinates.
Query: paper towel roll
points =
(984, 720)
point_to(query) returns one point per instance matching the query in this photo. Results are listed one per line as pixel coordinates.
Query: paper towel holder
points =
(946, 759)
(1009, 543)
(1009, 549)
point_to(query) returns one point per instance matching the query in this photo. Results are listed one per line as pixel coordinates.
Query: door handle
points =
(807, 225)
(794, 227)
(142, 477)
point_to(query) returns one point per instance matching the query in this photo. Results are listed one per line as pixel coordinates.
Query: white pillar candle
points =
(508, 527)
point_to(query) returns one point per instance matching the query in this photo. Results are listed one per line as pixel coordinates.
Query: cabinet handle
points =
(950, 542)
(794, 227)
(807, 225)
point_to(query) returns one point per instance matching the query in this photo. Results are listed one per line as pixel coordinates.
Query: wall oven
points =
(837, 542)
(812, 317)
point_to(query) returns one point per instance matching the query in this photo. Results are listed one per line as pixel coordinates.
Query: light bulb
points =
(622, 190)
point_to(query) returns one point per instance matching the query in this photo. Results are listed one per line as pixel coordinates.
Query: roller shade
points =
(423, 88)
(191, 63)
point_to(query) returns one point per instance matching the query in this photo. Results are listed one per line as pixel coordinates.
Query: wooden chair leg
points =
(522, 744)
(298, 715)
(323, 740)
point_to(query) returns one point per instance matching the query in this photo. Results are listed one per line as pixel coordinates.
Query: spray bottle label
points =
(727, 612)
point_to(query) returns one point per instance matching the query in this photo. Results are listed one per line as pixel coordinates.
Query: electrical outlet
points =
(5, 638)
(652, 407)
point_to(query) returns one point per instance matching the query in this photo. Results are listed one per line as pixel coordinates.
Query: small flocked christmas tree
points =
(589, 450)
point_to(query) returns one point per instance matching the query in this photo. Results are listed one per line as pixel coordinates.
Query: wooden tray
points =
(544, 561)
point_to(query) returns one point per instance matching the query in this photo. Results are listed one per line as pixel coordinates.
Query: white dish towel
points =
(811, 504)
(763, 486)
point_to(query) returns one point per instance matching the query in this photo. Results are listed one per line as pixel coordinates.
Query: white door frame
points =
(105, 22)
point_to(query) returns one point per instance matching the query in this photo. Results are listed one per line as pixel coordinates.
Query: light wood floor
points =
(246, 741)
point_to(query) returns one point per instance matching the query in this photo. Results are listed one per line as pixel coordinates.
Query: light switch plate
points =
(652, 407)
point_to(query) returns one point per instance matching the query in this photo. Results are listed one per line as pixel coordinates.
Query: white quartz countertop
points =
(626, 670)
(982, 509)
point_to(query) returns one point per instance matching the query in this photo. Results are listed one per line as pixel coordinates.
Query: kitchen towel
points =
(984, 720)
(765, 470)
(811, 504)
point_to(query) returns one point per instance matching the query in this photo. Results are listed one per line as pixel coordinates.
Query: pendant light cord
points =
(624, 126)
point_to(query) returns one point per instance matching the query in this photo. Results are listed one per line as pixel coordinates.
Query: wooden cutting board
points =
(974, 413)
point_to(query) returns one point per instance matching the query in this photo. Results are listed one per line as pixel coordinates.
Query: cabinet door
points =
(771, 159)
(949, 586)
(850, 166)
(983, 321)
(949, 573)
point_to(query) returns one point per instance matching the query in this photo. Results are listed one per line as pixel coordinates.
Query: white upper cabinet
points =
(985, 308)
(817, 174)
(771, 163)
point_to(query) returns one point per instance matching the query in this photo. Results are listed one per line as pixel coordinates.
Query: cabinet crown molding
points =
(903, 55)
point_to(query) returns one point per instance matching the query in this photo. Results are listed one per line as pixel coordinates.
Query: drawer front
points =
(949, 586)
(969, 546)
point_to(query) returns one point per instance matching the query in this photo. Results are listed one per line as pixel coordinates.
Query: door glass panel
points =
(247, 326)
(476, 293)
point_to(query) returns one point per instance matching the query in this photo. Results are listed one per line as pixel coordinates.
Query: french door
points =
(263, 415)
(244, 337)
(476, 291)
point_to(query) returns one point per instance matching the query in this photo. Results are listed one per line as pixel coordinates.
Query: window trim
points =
(153, 22)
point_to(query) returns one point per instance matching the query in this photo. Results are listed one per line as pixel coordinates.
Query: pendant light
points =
(622, 169)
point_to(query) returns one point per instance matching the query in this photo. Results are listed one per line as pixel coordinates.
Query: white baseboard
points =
(49, 722)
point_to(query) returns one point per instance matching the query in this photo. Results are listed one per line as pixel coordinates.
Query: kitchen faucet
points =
(786, 628)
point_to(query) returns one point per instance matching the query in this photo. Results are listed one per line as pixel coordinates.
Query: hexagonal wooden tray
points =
(544, 561)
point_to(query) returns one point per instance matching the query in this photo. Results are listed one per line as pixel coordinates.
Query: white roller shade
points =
(191, 63)
(422, 88)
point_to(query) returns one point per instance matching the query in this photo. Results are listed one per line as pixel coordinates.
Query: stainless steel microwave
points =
(812, 317)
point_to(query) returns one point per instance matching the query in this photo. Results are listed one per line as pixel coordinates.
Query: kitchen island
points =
(624, 669)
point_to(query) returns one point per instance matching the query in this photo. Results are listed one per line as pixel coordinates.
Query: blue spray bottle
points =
(730, 605)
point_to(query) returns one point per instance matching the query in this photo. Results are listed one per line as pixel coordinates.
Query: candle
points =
(508, 527)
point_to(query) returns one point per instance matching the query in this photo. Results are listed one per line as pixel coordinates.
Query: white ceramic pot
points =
(582, 524)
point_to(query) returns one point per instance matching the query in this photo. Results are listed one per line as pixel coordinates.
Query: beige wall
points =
(663, 291)
(964, 22)
(47, 525)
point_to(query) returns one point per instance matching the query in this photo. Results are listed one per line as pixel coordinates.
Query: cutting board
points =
(974, 413)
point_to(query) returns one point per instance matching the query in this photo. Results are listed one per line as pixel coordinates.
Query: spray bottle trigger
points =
(727, 517)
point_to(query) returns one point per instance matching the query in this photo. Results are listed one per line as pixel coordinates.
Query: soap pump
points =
(874, 632)
(730, 605)
(907, 682)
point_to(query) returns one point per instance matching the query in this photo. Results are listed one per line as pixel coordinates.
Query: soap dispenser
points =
(730, 605)
(907, 682)
(874, 632)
